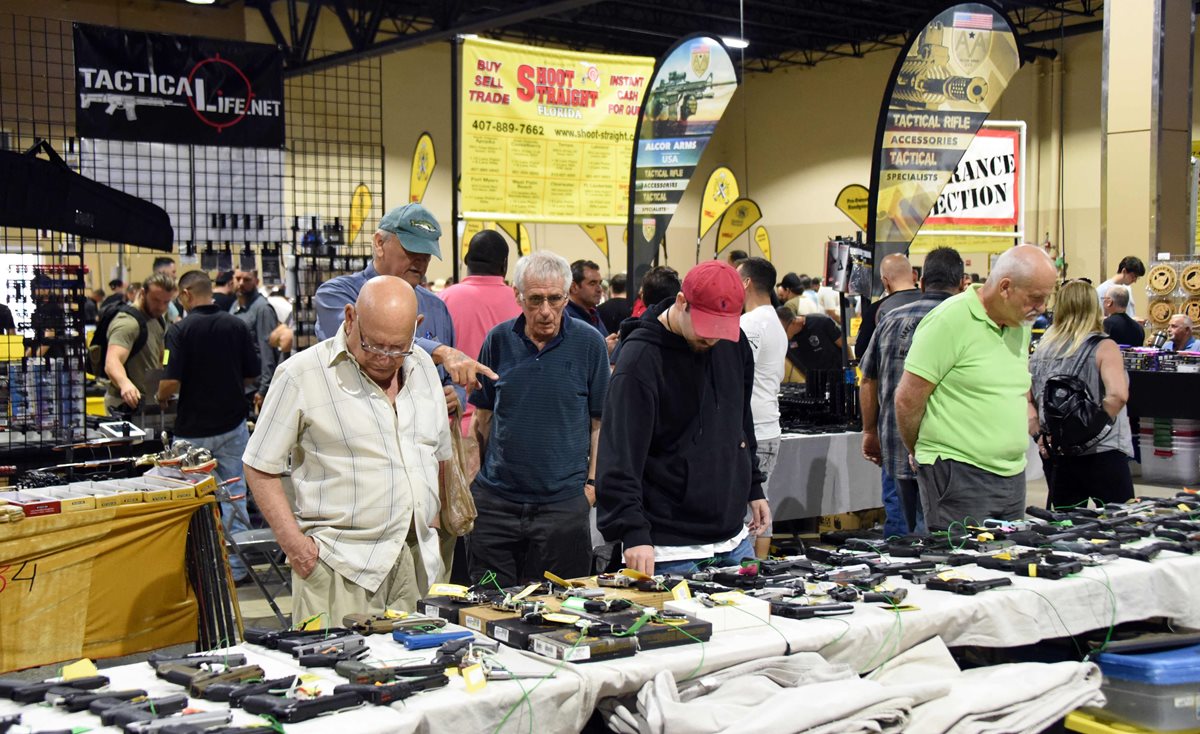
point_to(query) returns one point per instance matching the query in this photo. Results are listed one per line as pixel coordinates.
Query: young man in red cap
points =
(677, 450)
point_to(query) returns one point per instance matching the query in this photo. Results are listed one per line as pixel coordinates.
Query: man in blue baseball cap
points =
(407, 237)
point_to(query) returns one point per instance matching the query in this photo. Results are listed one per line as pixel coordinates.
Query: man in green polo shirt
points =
(963, 405)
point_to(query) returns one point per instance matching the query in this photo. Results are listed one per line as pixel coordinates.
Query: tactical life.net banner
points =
(547, 135)
(692, 87)
(177, 89)
(943, 87)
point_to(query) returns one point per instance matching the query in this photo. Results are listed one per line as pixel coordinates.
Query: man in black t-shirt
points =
(814, 341)
(210, 360)
(617, 308)
(1117, 323)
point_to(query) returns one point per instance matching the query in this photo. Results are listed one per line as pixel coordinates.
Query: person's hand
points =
(589, 491)
(131, 395)
(453, 407)
(760, 516)
(258, 401)
(462, 369)
(640, 558)
(870, 448)
(610, 341)
(912, 463)
(304, 558)
(1041, 443)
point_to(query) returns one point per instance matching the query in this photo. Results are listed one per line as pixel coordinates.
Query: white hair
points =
(1019, 264)
(542, 265)
(1119, 295)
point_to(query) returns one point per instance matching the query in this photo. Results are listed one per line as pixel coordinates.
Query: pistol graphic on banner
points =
(944, 85)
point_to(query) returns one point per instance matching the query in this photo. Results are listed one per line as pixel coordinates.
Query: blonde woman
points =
(1077, 345)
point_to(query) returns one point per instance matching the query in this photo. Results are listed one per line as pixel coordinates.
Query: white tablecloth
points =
(1029, 611)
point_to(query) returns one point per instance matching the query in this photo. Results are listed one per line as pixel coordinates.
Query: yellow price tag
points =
(727, 597)
(311, 624)
(559, 618)
(394, 614)
(682, 591)
(474, 677)
(634, 574)
(526, 592)
(80, 669)
(455, 590)
(1032, 570)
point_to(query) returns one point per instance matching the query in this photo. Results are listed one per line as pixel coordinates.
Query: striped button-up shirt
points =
(365, 472)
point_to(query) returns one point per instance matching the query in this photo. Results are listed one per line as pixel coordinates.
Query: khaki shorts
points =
(328, 593)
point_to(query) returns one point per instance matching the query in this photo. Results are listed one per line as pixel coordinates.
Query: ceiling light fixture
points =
(732, 42)
(201, 2)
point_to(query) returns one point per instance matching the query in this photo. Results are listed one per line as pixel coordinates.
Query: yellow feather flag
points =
(852, 201)
(599, 235)
(763, 240)
(520, 235)
(423, 163)
(719, 193)
(360, 209)
(739, 217)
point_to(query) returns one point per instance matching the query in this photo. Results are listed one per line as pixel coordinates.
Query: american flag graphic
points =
(982, 21)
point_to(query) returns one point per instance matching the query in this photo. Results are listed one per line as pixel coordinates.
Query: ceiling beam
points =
(479, 24)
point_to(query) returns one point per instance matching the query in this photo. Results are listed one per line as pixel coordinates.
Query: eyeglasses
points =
(537, 301)
(389, 353)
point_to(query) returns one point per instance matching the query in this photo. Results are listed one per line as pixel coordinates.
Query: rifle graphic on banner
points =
(125, 102)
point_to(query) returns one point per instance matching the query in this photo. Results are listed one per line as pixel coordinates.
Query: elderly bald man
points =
(900, 285)
(363, 416)
(1180, 331)
(963, 405)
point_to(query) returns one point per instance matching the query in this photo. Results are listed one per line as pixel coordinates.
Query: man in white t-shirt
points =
(1128, 271)
(769, 344)
(830, 302)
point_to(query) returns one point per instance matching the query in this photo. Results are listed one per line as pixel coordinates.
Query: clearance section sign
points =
(547, 135)
(943, 87)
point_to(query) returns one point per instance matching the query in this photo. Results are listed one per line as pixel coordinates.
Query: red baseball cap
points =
(715, 293)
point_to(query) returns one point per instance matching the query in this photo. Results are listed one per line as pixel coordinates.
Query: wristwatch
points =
(590, 482)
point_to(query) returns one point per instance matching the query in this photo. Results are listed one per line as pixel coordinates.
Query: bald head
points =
(896, 273)
(380, 326)
(1019, 286)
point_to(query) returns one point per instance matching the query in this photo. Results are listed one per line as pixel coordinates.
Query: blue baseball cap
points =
(416, 227)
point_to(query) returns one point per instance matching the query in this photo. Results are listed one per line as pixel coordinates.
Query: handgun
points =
(426, 640)
(809, 611)
(735, 580)
(1052, 567)
(894, 568)
(361, 673)
(327, 636)
(233, 693)
(23, 691)
(377, 624)
(114, 712)
(295, 710)
(886, 596)
(8, 721)
(232, 660)
(200, 684)
(966, 587)
(345, 644)
(198, 718)
(614, 580)
(385, 695)
(73, 699)
(919, 575)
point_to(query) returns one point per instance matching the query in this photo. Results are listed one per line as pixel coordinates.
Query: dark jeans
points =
(521, 541)
(744, 551)
(910, 503)
(953, 491)
(894, 522)
(1103, 477)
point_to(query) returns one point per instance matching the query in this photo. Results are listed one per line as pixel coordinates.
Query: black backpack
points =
(1072, 420)
(98, 349)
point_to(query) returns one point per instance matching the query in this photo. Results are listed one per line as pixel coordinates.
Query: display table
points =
(822, 474)
(97, 583)
(1029, 611)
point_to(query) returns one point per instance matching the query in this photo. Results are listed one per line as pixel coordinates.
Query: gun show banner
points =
(151, 87)
(423, 163)
(720, 191)
(547, 135)
(691, 88)
(944, 85)
(737, 219)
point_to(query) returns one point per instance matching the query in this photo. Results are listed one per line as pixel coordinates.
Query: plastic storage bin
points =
(1158, 690)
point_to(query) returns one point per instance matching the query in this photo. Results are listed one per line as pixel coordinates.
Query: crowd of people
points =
(652, 417)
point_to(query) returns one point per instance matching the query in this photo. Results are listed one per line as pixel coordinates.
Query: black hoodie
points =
(676, 462)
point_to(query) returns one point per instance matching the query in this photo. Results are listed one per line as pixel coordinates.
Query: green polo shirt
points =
(977, 412)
